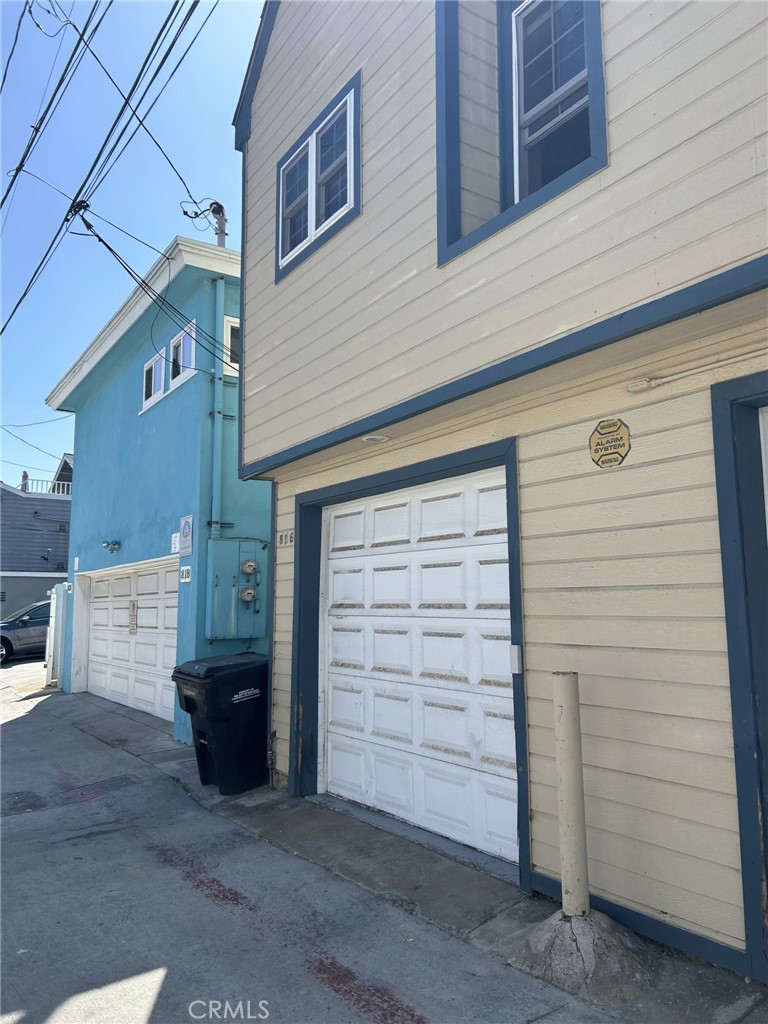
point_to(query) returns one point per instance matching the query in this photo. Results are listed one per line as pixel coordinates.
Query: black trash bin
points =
(226, 696)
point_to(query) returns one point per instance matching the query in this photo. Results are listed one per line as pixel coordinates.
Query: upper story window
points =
(520, 111)
(551, 111)
(318, 181)
(154, 380)
(182, 356)
(231, 345)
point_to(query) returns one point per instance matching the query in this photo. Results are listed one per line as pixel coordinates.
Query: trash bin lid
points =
(220, 666)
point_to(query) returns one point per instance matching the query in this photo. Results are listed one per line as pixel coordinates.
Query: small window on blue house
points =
(183, 355)
(153, 380)
(318, 181)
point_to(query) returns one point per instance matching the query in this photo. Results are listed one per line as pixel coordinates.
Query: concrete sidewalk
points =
(341, 915)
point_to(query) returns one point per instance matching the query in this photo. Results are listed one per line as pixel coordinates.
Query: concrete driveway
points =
(126, 900)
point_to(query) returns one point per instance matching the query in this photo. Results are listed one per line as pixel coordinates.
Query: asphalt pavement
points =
(133, 895)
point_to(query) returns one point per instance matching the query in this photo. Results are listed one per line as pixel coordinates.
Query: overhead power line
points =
(103, 174)
(29, 443)
(127, 101)
(62, 83)
(13, 46)
(79, 203)
(23, 465)
(37, 423)
(174, 314)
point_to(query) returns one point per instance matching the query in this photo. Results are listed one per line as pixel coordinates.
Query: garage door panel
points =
(170, 616)
(346, 764)
(391, 717)
(171, 581)
(147, 616)
(134, 669)
(120, 650)
(453, 653)
(459, 727)
(347, 707)
(418, 699)
(148, 583)
(120, 616)
(393, 786)
(167, 700)
(121, 586)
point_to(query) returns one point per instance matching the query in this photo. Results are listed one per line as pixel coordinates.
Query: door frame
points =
(305, 662)
(744, 554)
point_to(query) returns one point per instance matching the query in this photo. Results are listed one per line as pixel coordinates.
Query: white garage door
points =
(132, 636)
(417, 691)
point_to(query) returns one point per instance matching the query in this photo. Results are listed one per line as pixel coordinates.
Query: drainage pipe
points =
(218, 411)
(570, 795)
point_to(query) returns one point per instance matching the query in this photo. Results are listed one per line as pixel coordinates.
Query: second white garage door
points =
(132, 636)
(417, 702)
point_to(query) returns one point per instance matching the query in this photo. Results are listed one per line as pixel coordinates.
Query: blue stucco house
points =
(169, 551)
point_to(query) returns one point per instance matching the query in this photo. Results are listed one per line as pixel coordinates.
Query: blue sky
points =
(83, 285)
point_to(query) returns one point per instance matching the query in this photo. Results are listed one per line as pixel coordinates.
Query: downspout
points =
(218, 413)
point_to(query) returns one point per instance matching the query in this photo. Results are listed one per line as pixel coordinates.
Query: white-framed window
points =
(182, 356)
(231, 344)
(154, 380)
(317, 183)
(551, 112)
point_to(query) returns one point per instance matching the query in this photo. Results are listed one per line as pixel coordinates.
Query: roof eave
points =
(180, 254)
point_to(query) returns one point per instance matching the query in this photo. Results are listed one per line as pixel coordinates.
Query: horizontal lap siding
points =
(622, 583)
(369, 320)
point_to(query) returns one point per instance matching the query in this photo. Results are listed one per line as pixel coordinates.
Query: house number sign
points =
(609, 443)
(285, 539)
(133, 616)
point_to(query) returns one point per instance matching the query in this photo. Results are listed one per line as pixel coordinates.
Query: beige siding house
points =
(505, 356)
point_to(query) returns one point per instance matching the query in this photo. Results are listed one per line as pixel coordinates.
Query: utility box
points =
(236, 592)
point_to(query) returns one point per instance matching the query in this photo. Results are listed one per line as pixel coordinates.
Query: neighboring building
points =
(156, 441)
(504, 358)
(34, 537)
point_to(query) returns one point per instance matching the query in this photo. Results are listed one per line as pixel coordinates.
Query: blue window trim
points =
(450, 242)
(696, 298)
(744, 554)
(353, 86)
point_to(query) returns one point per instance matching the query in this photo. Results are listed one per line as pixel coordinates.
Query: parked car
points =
(25, 631)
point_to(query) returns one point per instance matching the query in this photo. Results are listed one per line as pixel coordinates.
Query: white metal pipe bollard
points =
(570, 795)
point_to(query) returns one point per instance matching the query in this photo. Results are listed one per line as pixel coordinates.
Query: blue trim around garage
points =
(302, 779)
(744, 553)
(242, 120)
(450, 242)
(241, 374)
(353, 86)
(660, 931)
(696, 298)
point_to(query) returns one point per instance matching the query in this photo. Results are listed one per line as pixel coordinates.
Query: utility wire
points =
(15, 40)
(38, 127)
(127, 103)
(162, 35)
(107, 170)
(77, 203)
(23, 465)
(48, 256)
(29, 443)
(40, 107)
(175, 315)
(38, 423)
